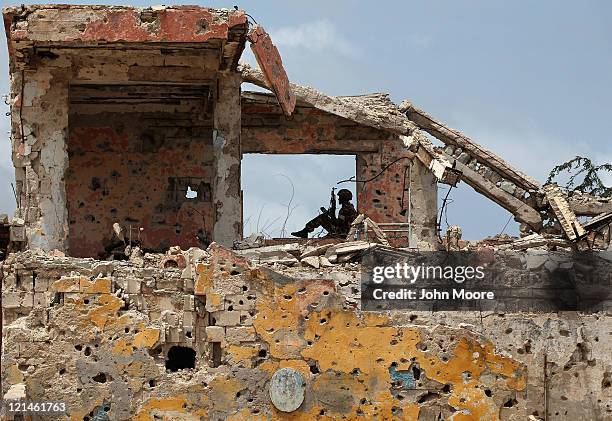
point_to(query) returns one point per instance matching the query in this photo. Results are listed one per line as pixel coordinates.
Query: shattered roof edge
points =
(394, 121)
(52, 6)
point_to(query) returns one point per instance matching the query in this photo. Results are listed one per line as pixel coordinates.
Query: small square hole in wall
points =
(191, 194)
(281, 193)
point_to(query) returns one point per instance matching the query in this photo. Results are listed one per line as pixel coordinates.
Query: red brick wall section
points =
(134, 169)
(266, 130)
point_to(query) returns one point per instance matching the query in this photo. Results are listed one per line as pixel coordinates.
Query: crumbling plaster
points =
(226, 148)
(310, 130)
(102, 331)
(40, 109)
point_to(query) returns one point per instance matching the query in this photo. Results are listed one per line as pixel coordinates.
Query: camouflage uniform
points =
(335, 226)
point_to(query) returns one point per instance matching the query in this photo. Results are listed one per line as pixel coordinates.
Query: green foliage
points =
(591, 183)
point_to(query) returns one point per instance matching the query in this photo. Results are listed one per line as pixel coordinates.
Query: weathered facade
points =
(128, 130)
(117, 125)
(201, 339)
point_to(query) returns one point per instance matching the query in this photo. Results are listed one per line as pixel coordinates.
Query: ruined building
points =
(125, 298)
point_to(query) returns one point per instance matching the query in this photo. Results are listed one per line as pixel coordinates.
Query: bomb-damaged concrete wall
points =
(139, 175)
(97, 335)
(405, 191)
(133, 174)
(150, 49)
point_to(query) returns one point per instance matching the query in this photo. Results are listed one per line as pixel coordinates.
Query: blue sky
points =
(529, 80)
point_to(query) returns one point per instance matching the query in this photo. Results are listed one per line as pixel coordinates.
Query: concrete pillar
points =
(40, 112)
(381, 199)
(423, 204)
(227, 152)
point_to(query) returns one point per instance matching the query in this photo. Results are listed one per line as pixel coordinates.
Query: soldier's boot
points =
(303, 233)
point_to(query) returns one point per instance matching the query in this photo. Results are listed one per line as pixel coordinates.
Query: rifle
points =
(332, 205)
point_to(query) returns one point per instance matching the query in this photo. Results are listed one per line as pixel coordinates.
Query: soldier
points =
(335, 226)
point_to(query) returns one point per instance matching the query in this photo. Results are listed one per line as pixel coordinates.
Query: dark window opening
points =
(216, 354)
(180, 358)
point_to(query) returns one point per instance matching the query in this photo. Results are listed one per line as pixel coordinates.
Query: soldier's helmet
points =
(345, 195)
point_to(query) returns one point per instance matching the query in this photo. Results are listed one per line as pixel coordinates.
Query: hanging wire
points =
(247, 15)
(445, 202)
(352, 179)
(510, 219)
(404, 185)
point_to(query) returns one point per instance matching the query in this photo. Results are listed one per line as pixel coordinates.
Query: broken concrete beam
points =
(324, 262)
(252, 241)
(292, 248)
(312, 261)
(521, 211)
(347, 257)
(456, 138)
(271, 64)
(589, 205)
(561, 208)
(316, 251)
(530, 241)
(371, 110)
(354, 226)
(283, 254)
(437, 163)
(351, 248)
(598, 221)
(380, 235)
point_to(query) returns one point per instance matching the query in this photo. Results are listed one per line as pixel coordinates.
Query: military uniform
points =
(335, 226)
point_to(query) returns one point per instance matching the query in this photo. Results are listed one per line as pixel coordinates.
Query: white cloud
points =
(316, 36)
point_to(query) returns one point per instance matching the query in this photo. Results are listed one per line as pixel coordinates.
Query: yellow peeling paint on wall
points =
(361, 349)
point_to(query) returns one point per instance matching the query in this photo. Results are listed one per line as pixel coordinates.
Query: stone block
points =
(188, 302)
(41, 299)
(67, 284)
(133, 286)
(9, 281)
(240, 334)
(188, 285)
(173, 334)
(97, 286)
(239, 302)
(41, 285)
(11, 299)
(188, 318)
(226, 318)
(27, 299)
(215, 334)
(25, 280)
(245, 318)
